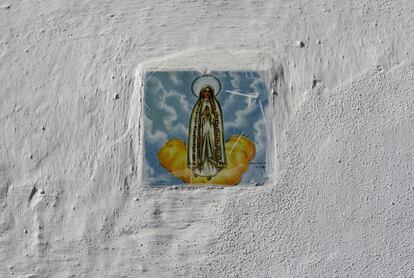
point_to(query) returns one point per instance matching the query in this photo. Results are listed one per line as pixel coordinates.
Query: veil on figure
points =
(205, 150)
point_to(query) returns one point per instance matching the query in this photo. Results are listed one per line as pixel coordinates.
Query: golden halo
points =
(205, 80)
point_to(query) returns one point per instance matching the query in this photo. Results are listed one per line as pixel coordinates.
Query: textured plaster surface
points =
(341, 203)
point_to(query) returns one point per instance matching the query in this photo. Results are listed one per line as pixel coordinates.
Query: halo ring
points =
(204, 80)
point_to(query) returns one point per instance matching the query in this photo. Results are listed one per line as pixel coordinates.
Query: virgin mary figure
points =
(206, 154)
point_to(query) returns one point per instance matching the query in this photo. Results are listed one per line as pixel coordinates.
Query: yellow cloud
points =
(240, 150)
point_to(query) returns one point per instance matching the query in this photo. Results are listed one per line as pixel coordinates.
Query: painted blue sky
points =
(168, 102)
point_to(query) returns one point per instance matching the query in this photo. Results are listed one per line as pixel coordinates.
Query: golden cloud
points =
(240, 150)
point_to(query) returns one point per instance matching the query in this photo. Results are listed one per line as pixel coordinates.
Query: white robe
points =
(206, 156)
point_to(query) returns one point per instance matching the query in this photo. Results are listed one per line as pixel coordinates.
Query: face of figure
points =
(206, 93)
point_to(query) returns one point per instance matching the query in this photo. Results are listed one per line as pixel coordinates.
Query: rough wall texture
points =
(341, 204)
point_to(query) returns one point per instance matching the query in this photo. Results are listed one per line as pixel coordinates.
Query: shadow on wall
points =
(281, 100)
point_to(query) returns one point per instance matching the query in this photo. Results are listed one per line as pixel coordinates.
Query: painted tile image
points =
(204, 129)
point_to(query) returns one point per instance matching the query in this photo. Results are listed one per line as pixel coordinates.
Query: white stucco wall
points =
(342, 200)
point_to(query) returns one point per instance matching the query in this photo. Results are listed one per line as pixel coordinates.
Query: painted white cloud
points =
(235, 79)
(154, 137)
(259, 128)
(174, 78)
(170, 120)
(170, 115)
(232, 99)
(242, 115)
(153, 178)
(157, 179)
(256, 82)
(181, 99)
